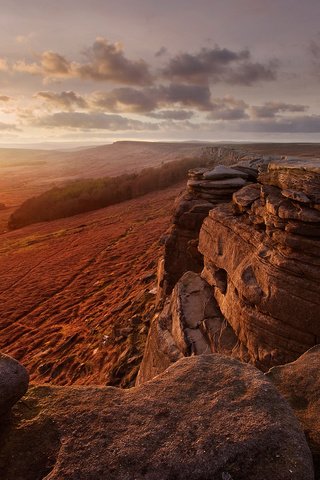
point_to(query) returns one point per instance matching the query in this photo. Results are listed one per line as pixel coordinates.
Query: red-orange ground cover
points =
(74, 295)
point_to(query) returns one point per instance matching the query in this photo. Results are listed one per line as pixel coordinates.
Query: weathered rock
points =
(298, 174)
(207, 417)
(183, 328)
(206, 188)
(297, 196)
(262, 257)
(14, 381)
(243, 198)
(217, 184)
(221, 171)
(299, 383)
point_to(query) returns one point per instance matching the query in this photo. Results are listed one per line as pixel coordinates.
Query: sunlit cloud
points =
(105, 62)
(24, 39)
(68, 100)
(4, 66)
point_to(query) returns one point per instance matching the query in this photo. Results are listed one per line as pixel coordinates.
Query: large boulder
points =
(14, 381)
(205, 417)
(299, 383)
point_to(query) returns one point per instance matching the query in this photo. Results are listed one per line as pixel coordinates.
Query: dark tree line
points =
(90, 194)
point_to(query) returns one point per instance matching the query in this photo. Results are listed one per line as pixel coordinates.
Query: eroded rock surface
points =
(299, 383)
(206, 418)
(190, 323)
(206, 188)
(262, 258)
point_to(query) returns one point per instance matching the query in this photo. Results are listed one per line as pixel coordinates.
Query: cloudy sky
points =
(100, 70)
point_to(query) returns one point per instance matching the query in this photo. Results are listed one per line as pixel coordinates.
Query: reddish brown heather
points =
(74, 293)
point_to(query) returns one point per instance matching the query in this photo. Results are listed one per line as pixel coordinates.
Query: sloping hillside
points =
(74, 293)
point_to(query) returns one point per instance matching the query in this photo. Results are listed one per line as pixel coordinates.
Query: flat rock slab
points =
(221, 172)
(205, 418)
(14, 381)
(218, 184)
(299, 383)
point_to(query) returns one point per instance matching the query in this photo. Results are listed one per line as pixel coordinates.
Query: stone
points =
(205, 417)
(267, 287)
(222, 172)
(297, 196)
(228, 183)
(298, 174)
(181, 327)
(299, 383)
(244, 197)
(14, 381)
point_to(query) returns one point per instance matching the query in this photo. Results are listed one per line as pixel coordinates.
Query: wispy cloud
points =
(92, 121)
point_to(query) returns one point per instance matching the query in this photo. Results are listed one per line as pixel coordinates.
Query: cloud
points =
(105, 61)
(162, 51)
(271, 109)
(299, 124)
(51, 65)
(9, 127)
(4, 67)
(228, 108)
(172, 115)
(219, 65)
(65, 100)
(197, 96)
(92, 121)
(24, 39)
(108, 63)
(314, 51)
(131, 100)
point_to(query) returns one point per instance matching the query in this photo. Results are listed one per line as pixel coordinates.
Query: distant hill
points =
(25, 173)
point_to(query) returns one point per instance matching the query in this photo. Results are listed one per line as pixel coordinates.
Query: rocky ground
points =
(206, 418)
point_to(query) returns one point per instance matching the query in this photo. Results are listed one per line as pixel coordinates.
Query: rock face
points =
(206, 188)
(299, 383)
(206, 417)
(14, 381)
(262, 258)
(190, 323)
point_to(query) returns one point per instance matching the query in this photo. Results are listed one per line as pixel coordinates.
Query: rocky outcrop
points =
(299, 383)
(190, 323)
(206, 188)
(206, 417)
(14, 381)
(262, 257)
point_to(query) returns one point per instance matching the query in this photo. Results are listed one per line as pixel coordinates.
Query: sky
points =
(103, 70)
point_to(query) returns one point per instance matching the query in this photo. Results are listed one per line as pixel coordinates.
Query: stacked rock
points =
(262, 256)
(217, 185)
(286, 202)
(207, 188)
